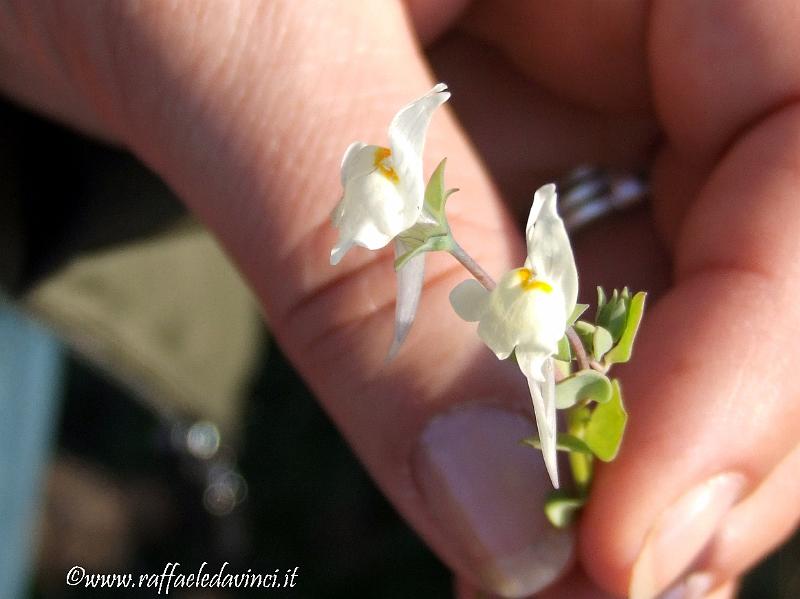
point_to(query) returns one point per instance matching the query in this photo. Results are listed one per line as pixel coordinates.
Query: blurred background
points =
(146, 417)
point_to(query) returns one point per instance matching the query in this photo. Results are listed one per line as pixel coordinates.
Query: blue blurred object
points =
(30, 379)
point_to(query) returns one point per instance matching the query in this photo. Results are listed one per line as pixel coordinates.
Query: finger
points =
(713, 402)
(536, 137)
(696, 589)
(734, 411)
(251, 138)
(705, 58)
(431, 18)
(679, 179)
(574, 585)
(755, 527)
(587, 52)
(725, 591)
(32, 68)
(703, 97)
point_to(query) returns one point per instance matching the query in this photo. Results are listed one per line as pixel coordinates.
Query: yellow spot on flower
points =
(529, 282)
(381, 154)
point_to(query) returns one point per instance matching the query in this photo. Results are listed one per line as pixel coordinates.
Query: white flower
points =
(384, 187)
(528, 310)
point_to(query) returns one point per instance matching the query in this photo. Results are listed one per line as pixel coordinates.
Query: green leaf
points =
(583, 385)
(564, 352)
(576, 313)
(419, 233)
(601, 298)
(435, 194)
(564, 442)
(601, 342)
(624, 348)
(563, 369)
(562, 507)
(606, 426)
(431, 244)
(613, 315)
(585, 331)
(577, 419)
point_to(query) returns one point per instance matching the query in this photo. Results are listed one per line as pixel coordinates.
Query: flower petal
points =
(549, 251)
(530, 319)
(410, 125)
(337, 213)
(497, 336)
(407, 133)
(531, 363)
(470, 300)
(409, 287)
(356, 161)
(541, 383)
(339, 250)
(543, 400)
(370, 214)
(549, 395)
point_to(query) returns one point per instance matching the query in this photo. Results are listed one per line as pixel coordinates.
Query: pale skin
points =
(245, 109)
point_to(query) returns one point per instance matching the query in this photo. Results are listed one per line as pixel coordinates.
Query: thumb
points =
(245, 110)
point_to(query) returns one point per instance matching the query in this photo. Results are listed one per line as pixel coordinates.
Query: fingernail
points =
(694, 586)
(487, 493)
(681, 533)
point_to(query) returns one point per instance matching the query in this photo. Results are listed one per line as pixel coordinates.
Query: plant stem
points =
(578, 349)
(582, 465)
(473, 267)
(598, 366)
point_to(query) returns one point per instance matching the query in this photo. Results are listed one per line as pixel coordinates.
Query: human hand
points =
(245, 109)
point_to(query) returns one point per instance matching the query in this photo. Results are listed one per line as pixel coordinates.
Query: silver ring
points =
(590, 193)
